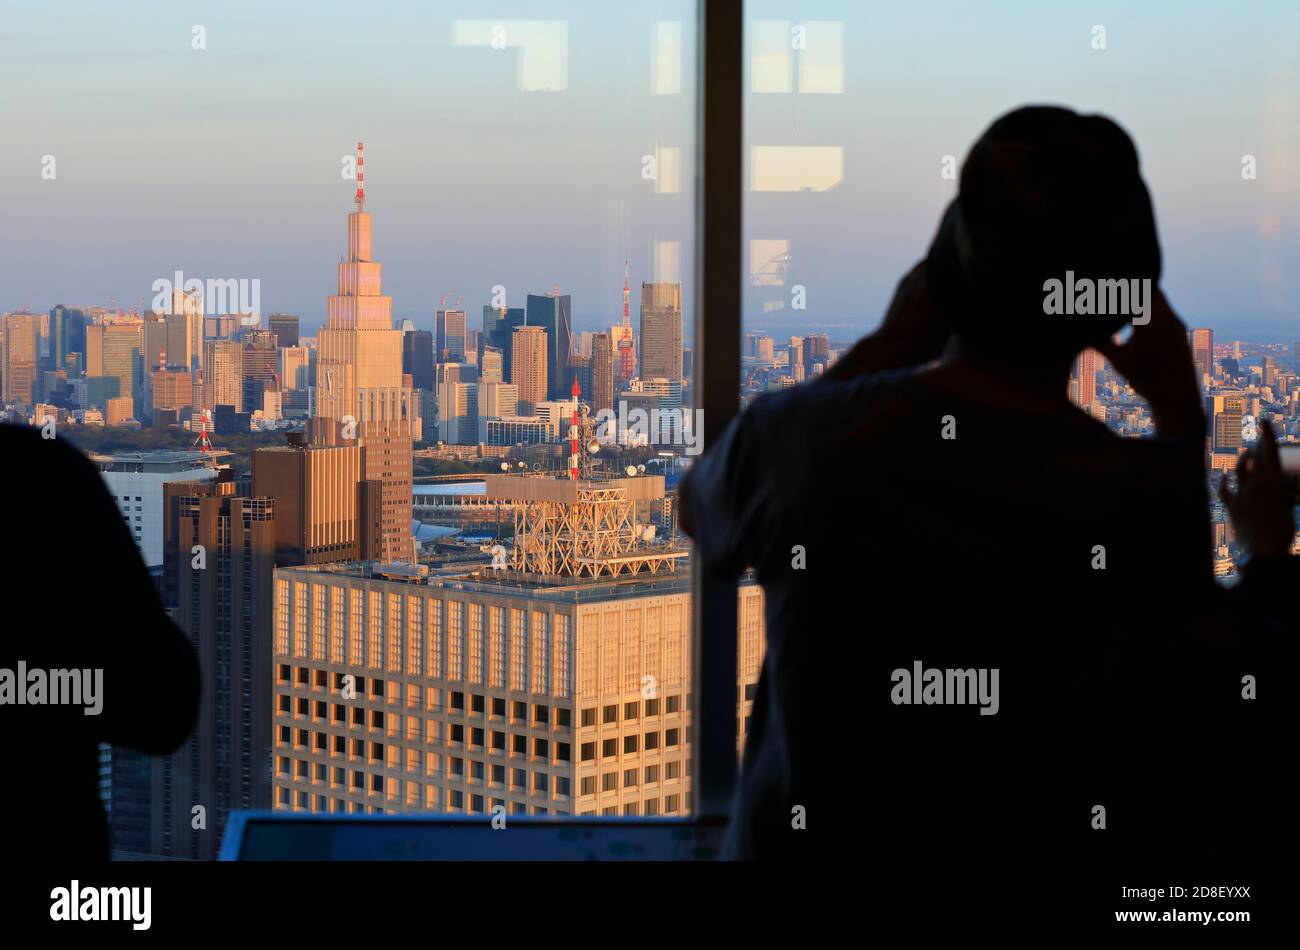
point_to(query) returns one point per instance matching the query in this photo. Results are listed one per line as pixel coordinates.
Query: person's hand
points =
(1158, 363)
(1262, 507)
(911, 334)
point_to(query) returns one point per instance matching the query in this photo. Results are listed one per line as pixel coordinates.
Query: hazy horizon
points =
(225, 162)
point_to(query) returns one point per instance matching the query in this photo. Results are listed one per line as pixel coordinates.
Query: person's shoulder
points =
(27, 451)
(824, 397)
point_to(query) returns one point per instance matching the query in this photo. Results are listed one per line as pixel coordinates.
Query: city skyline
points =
(481, 179)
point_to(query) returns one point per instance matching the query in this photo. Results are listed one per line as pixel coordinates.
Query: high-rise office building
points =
(261, 367)
(580, 373)
(172, 389)
(499, 325)
(1085, 372)
(224, 604)
(221, 327)
(553, 313)
(475, 691)
(320, 501)
(136, 480)
(816, 354)
(497, 399)
(1202, 342)
(796, 363)
(417, 357)
(295, 368)
(118, 411)
(529, 369)
(661, 330)
(458, 412)
(223, 375)
(116, 350)
(601, 393)
(19, 354)
(67, 335)
(1225, 413)
(285, 328)
(669, 391)
(449, 327)
(492, 367)
(359, 378)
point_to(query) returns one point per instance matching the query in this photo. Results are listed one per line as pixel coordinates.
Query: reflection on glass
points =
(795, 167)
(542, 63)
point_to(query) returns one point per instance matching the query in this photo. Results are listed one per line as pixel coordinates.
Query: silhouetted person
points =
(964, 515)
(77, 598)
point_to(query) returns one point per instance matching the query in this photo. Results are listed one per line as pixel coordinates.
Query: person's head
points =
(1045, 193)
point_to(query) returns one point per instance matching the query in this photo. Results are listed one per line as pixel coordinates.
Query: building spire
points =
(627, 296)
(361, 176)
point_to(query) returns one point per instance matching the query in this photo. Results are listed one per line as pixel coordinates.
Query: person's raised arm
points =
(912, 333)
(724, 501)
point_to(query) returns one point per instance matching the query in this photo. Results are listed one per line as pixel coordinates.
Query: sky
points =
(526, 166)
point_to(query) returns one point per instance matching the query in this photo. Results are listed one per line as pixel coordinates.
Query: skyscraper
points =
(1085, 371)
(529, 368)
(602, 372)
(318, 508)
(816, 349)
(492, 367)
(499, 325)
(67, 335)
(223, 375)
(1203, 353)
(20, 348)
(359, 378)
(661, 330)
(552, 312)
(449, 326)
(542, 705)
(225, 606)
(117, 350)
(285, 328)
(417, 357)
(796, 359)
(261, 367)
(1225, 413)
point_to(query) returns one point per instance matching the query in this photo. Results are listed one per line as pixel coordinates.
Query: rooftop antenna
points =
(361, 176)
(202, 441)
(573, 434)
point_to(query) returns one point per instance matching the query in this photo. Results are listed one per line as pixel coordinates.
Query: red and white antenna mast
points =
(627, 298)
(205, 420)
(573, 435)
(361, 176)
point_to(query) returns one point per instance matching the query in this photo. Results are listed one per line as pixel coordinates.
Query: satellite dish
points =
(593, 446)
(641, 469)
(523, 464)
(537, 466)
(505, 466)
(631, 471)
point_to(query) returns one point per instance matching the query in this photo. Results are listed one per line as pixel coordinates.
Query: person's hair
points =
(1043, 191)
